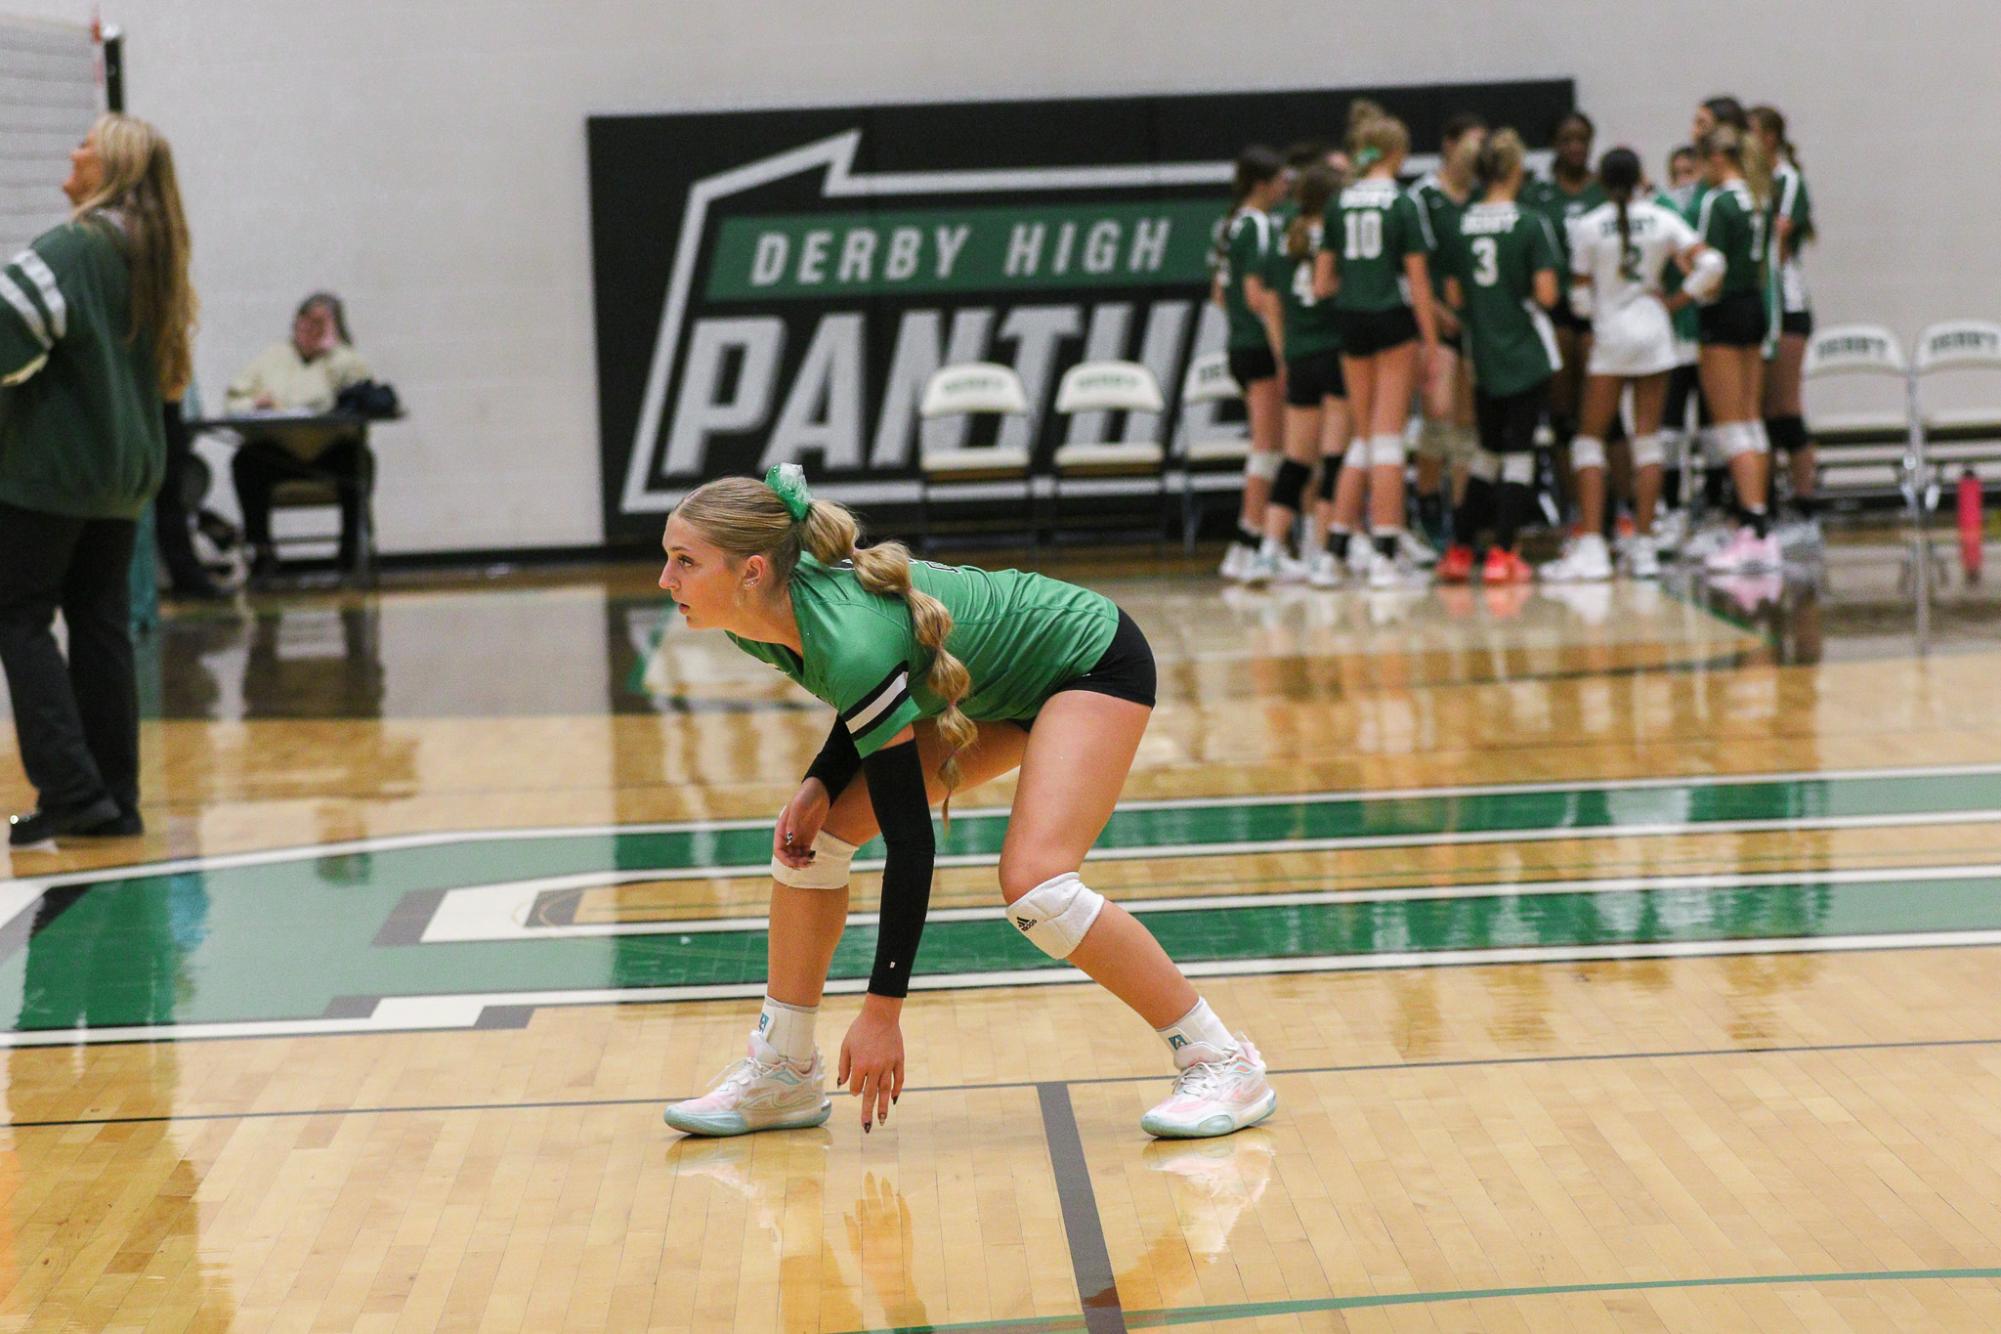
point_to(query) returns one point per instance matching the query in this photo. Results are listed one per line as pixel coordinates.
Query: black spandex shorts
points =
(1454, 341)
(1737, 320)
(1311, 378)
(1563, 317)
(1367, 332)
(1248, 365)
(1508, 424)
(1797, 322)
(1124, 670)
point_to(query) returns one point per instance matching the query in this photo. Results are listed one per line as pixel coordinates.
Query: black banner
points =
(777, 285)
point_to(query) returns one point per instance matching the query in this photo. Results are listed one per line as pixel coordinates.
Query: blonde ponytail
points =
(744, 517)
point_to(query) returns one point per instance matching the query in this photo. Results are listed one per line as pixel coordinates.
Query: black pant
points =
(171, 527)
(261, 465)
(78, 723)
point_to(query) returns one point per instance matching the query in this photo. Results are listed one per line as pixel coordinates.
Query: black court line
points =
(1375, 1067)
(1090, 1258)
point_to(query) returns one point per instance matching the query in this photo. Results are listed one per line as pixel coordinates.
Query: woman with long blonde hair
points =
(942, 677)
(96, 322)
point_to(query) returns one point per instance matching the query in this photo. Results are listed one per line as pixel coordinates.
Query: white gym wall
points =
(425, 158)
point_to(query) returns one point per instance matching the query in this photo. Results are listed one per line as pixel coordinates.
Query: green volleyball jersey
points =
(1731, 223)
(1687, 322)
(1310, 327)
(1442, 213)
(1020, 635)
(1500, 249)
(1791, 202)
(1371, 227)
(1246, 243)
(1562, 207)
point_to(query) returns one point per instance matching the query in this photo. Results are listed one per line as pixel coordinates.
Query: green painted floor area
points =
(285, 939)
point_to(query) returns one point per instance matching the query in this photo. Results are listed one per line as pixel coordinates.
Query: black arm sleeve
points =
(896, 790)
(838, 761)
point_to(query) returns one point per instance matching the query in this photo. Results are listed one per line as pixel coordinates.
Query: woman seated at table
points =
(304, 373)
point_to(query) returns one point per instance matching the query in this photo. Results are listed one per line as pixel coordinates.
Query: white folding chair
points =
(1970, 437)
(1207, 462)
(971, 389)
(1862, 452)
(1104, 469)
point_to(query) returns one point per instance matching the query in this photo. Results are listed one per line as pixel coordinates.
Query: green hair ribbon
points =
(789, 481)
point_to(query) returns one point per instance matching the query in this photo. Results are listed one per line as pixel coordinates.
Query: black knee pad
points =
(1787, 433)
(1330, 474)
(1290, 484)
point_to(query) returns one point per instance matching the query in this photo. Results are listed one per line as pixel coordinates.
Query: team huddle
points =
(1592, 312)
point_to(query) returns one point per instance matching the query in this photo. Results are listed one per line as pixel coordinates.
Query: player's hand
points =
(799, 824)
(872, 1058)
(1448, 322)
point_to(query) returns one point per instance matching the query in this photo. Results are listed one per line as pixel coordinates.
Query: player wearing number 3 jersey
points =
(941, 678)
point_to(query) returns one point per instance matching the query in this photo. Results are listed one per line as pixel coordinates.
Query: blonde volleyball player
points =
(1254, 338)
(1570, 192)
(1784, 423)
(1445, 440)
(1372, 265)
(1316, 400)
(1732, 220)
(1502, 277)
(941, 677)
(1619, 253)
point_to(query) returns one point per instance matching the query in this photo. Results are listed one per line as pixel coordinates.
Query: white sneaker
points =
(1706, 542)
(1642, 561)
(1219, 1095)
(1291, 571)
(1799, 535)
(1326, 571)
(1747, 554)
(1585, 563)
(763, 1091)
(1234, 559)
(1257, 571)
(1415, 549)
(1394, 572)
(1361, 555)
(1670, 527)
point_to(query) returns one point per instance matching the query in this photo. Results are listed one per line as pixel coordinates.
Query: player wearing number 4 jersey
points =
(941, 678)
(1503, 280)
(1316, 398)
(1372, 263)
(1255, 343)
(1619, 254)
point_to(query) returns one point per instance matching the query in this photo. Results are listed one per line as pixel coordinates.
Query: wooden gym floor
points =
(1624, 958)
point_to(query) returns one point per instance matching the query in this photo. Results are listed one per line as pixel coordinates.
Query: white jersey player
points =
(1619, 253)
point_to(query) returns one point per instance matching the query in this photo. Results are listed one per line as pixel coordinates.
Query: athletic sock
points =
(1248, 535)
(1475, 511)
(1387, 541)
(1430, 511)
(788, 1029)
(1199, 1028)
(1337, 542)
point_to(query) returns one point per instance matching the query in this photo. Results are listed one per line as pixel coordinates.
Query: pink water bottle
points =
(1970, 524)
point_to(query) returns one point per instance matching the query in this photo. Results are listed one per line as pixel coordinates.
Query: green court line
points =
(1190, 1315)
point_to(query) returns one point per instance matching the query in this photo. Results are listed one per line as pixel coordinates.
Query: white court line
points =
(399, 842)
(462, 1011)
(501, 911)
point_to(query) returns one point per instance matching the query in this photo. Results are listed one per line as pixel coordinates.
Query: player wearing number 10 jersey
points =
(1372, 263)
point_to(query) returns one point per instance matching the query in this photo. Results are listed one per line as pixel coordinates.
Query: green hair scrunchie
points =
(789, 481)
(1368, 157)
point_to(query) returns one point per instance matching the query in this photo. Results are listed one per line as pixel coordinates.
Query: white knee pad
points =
(1386, 451)
(827, 870)
(1356, 455)
(1586, 451)
(1263, 466)
(1649, 451)
(1761, 443)
(1485, 465)
(1056, 914)
(1736, 438)
(1518, 468)
(1434, 439)
(1715, 442)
